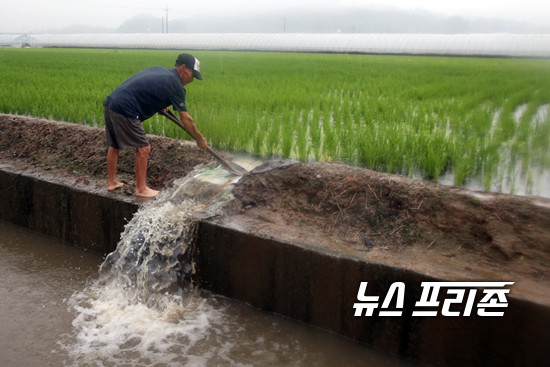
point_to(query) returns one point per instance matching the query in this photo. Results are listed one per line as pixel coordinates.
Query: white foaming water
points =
(112, 330)
(136, 313)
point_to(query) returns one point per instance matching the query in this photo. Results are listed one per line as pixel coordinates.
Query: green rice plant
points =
(287, 135)
(315, 131)
(272, 139)
(302, 141)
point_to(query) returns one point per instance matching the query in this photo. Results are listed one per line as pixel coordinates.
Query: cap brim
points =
(197, 74)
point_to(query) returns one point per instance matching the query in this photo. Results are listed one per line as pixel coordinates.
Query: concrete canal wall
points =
(70, 211)
(297, 280)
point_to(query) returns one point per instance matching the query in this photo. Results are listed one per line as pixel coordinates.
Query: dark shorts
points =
(122, 132)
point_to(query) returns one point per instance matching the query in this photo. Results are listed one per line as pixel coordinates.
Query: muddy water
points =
(41, 279)
(38, 275)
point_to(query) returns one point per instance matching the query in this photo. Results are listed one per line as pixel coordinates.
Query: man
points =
(136, 100)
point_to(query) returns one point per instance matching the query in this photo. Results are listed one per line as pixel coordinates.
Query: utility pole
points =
(167, 18)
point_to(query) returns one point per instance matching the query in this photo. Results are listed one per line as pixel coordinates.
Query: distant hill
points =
(352, 20)
(358, 21)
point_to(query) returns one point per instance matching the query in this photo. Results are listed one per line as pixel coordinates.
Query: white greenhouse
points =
(501, 44)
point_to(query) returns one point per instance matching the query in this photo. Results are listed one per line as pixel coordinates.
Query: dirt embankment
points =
(420, 225)
(79, 150)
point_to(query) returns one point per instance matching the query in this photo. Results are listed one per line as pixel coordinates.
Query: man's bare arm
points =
(189, 124)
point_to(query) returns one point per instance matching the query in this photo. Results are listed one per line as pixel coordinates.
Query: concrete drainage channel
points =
(291, 278)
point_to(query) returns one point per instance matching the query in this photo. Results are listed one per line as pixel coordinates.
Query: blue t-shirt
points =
(147, 92)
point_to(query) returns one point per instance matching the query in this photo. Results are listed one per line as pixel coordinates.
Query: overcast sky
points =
(19, 16)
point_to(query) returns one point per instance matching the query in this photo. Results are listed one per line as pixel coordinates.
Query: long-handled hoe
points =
(228, 165)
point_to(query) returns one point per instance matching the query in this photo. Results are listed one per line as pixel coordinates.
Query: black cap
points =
(190, 62)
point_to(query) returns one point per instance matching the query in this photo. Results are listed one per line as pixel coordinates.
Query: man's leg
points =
(141, 173)
(112, 161)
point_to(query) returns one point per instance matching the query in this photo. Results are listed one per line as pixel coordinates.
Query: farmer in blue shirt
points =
(136, 100)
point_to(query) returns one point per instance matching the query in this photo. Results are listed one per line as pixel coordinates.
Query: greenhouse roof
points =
(519, 45)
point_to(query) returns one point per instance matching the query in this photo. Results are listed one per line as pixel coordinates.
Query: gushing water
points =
(138, 312)
(150, 258)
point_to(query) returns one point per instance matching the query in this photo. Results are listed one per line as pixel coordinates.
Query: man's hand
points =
(201, 143)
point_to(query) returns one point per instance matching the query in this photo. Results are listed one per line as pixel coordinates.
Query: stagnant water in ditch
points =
(56, 310)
